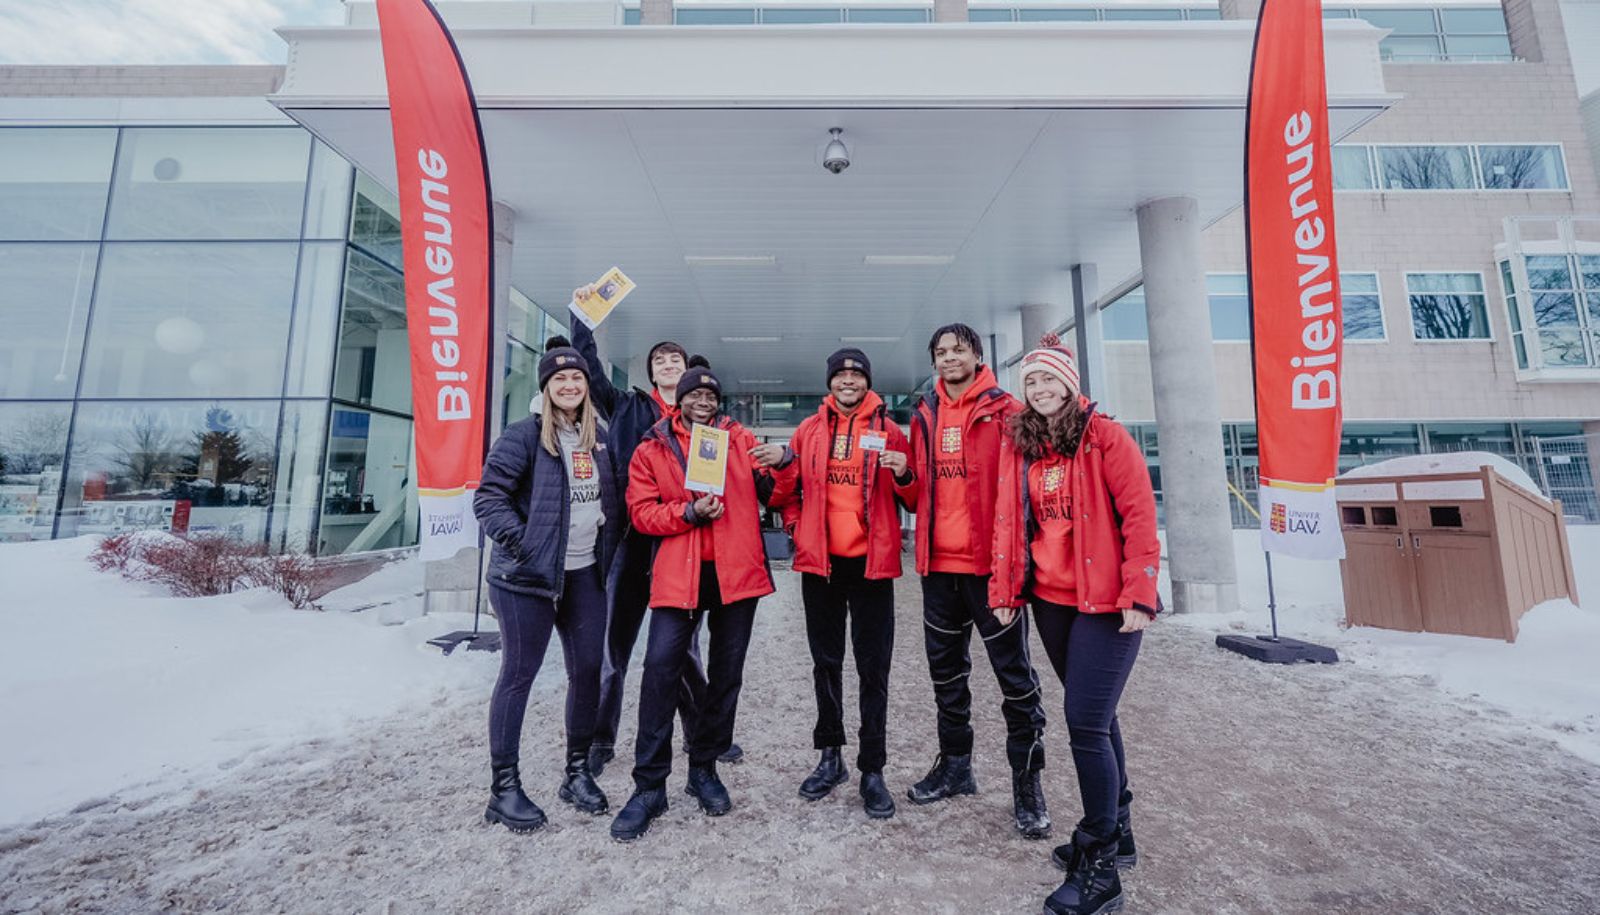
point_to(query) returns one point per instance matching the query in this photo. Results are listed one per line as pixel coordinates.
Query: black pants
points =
(672, 632)
(952, 605)
(1093, 661)
(628, 606)
(525, 624)
(869, 604)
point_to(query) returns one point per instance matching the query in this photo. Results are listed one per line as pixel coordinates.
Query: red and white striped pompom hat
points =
(1052, 358)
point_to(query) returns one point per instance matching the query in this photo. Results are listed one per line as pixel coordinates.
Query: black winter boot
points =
(507, 804)
(875, 797)
(1092, 886)
(705, 787)
(830, 771)
(579, 789)
(1027, 798)
(950, 776)
(733, 755)
(1127, 852)
(599, 755)
(634, 818)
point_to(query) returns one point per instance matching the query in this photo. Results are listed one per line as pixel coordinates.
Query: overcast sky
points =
(240, 31)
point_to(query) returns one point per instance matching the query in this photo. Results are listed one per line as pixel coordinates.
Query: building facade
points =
(205, 327)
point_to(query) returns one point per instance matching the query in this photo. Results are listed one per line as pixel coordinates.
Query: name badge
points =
(871, 442)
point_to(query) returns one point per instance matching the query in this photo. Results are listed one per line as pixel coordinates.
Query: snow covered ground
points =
(109, 686)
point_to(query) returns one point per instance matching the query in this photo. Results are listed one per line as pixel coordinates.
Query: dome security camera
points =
(836, 158)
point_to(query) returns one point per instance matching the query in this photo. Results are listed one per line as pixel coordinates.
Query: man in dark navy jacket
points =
(631, 414)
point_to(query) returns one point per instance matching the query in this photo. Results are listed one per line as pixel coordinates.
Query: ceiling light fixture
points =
(908, 260)
(730, 260)
(761, 381)
(752, 339)
(869, 339)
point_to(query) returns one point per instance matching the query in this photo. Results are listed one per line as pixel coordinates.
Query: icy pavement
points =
(1259, 789)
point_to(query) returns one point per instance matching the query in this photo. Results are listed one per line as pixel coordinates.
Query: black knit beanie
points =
(849, 358)
(559, 356)
(698, 376)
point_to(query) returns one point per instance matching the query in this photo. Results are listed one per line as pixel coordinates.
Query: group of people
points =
(1043, 501)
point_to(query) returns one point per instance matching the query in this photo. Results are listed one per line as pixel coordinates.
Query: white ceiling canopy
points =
(1023, 155)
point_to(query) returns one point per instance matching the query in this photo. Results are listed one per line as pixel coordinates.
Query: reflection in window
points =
(1522, 167)
(1425, 167)
(1364, 443)
(1352, 168)
(367, 503)
(33, 445)
(1447, 306)
(1554, 296)
(1363, 309)
(53, 181)
(374, 363)
(1495, 438)
(299, 478)
(195, 466)
(1514, 314)
(316, 319)
(375, 221)
(328, 197)
(210, 182)
(177, 320)
(44, 305)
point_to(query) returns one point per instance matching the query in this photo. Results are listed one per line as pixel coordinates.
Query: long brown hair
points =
(1036, 434)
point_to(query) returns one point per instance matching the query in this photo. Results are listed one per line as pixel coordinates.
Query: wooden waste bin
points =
(1465, 553)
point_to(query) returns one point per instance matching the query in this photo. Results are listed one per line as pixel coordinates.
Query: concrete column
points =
(449, 584)
(1188, 422)
(949, 10)
(655, 12)
(1089, 341)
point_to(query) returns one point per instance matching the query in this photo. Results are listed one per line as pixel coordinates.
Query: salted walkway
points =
(1260, 789)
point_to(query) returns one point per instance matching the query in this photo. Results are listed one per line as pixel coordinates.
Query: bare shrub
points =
(115, 552)
(202, 565)
(294, 575)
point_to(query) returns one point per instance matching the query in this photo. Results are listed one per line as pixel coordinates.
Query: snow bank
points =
(1448, 462)
(109, 686)
(1548, 679)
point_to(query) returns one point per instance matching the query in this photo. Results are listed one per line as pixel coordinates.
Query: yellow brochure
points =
(610, 289)
(708, 460)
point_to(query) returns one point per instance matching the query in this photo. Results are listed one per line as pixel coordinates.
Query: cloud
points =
(83, 32)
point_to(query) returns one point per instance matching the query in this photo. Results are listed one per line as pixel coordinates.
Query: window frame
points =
(1561, 157)
(1383, 316)
(1474, 162)
(1488, 316)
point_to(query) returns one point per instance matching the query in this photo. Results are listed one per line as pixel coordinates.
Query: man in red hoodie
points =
(955, 448)
(845, 520)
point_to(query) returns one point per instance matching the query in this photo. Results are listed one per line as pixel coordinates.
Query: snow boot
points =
(599, 755)
(579, 789)
(875, 796)
(705, 787)
(733, 755)
(1027, 798)
(508, 805)
(634, 819)
(830, 771)
(1127, 852)
(1092, 886)
(950, 776)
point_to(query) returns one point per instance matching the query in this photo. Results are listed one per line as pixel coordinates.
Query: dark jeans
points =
(870, 606)
(1093, 661)
(628, 607)
(525, 624)
(672, 632)
(952, 605)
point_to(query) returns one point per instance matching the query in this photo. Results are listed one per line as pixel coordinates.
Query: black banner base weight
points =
(475, 641)
(1270, 650)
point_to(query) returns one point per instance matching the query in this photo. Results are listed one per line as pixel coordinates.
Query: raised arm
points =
(601, 390)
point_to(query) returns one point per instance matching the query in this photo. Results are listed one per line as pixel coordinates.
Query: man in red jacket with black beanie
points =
(845, 520)
(955, 448)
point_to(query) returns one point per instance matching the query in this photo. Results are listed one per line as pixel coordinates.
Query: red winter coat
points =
(657, 502)
(805, 510)
(981, 438)
(1115, 551)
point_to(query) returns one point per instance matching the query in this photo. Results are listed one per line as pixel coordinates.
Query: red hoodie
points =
(848, 501)
(955, 448)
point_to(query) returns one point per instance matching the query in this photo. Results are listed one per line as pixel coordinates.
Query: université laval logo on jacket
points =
(582, 465)
(950, 439)
(841, 446)
(1278, 520)
(1053, 477)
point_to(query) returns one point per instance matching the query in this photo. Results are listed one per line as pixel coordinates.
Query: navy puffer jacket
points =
(523, 504)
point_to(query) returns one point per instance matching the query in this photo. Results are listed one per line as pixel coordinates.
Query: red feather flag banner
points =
(1296, 315)
(447, 236)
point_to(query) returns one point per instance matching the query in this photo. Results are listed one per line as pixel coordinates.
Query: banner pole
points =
(1272, 597)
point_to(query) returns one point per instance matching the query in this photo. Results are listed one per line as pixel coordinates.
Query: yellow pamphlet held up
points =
(610, 289)
(708, 460)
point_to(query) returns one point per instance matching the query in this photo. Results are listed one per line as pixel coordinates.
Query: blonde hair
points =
(551, 422)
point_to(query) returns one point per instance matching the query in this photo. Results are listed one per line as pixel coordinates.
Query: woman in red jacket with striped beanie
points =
(1075, 535)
